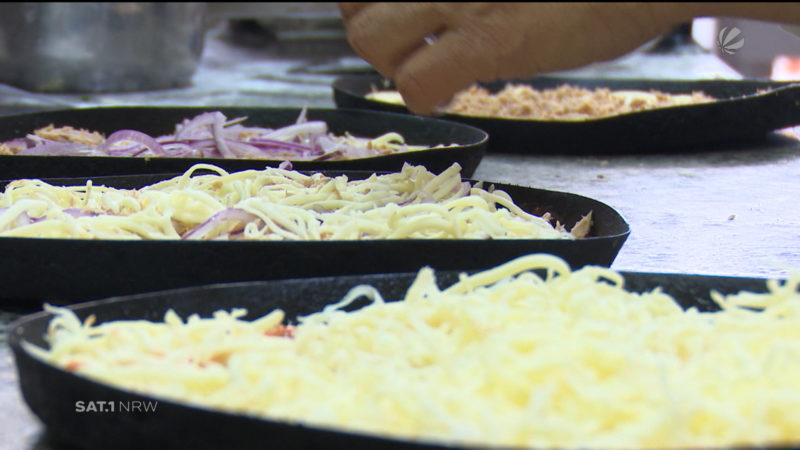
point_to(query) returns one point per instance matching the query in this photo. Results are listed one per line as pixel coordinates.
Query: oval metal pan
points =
(51, 392)
(69, 270)
(747, 110)
(161, 120)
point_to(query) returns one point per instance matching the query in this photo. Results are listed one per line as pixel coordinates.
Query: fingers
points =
(487, 41)
(386, 33)
(473, 39)
(463, 55)
(433, 74)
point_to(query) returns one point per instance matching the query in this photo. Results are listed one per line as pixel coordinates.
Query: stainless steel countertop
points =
(724, 212)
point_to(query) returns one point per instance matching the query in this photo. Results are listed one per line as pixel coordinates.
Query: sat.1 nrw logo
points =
(727, 42)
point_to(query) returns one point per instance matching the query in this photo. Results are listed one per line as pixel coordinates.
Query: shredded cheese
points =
(506, 357)
(274, 204)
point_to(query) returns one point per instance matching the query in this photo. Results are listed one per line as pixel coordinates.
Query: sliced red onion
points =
(352, 152)
(243, 150)
(133, 136)
(211, 135)
(303, 117)
(237, 132)
(329, 156)
(128, 150)
(17, 145)
(285, 165)
(327, 144)
(178, 150)
(168, 140)
(292, 132)
(461, 189)
(17, 142)
(79, 212)
(201, 231)
(272, 143)
(216, 130)
(23, 219)
(33, 139)
(235, 122)
(51, 148)
(189, 148)
(190, 127)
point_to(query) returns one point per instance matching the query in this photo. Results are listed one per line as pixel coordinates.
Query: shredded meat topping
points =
(519, 101)
(69, 134)
(564, 103)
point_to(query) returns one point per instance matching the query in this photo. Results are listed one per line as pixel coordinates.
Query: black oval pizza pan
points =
(746, 111)
(161, 120)
(52, 393)
(67, 270)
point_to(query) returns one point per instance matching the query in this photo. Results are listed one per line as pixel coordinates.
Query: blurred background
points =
(55, 55)
(768, 51)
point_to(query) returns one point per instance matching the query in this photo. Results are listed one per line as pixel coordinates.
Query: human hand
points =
(488, 41)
